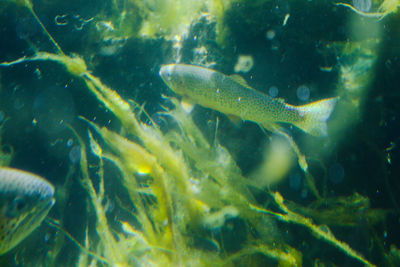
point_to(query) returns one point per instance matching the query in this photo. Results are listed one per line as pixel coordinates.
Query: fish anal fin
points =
(187, 105)
(235, 119)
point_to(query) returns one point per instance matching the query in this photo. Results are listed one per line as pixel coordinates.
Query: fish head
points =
(25, 200)
(171, 77)
(185, 79)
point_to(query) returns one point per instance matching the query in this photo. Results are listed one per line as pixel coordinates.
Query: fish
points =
(232, 96)
(25, 200)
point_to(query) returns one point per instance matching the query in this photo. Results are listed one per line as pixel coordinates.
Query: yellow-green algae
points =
(385, 7)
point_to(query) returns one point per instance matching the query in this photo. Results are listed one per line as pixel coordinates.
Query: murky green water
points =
(140, 181)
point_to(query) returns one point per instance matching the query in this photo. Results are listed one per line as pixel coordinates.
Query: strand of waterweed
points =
(28, 4)
(56, 224)
(132, 158)
(114, 256)
(322, 232)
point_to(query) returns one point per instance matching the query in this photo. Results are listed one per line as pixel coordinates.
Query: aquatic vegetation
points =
(356, 62)
(173, 18)
(385, 8)
(227, 191)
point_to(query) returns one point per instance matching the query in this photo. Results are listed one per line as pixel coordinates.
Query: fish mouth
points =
(166, 73)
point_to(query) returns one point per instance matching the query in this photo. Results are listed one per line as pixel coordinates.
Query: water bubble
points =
(273, 91)
(70, 142)
(270, 34)
(75, 154)
(362, 5)
(295, 181)
(303, 93)
(53, 108)
(336, 173)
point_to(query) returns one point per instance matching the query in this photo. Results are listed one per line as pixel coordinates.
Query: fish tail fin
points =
(315, 116)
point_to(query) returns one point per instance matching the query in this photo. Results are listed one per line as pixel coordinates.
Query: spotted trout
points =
(25, 200)
(232, 96)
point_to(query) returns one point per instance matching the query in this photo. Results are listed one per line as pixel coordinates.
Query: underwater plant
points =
(385, 8)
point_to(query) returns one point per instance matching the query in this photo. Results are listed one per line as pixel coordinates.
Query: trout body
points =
(232, 96)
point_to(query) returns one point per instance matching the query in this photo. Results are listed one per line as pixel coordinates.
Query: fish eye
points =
(20, 203)
(15, 207)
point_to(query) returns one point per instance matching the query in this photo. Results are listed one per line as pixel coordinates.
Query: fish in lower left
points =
(25, 200)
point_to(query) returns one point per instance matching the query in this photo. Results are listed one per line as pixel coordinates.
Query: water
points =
(186, 189)
(53, 109)
(336, 173)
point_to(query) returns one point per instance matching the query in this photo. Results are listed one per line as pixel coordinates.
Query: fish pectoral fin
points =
(235, 119)
(187, 105)
(271, 127)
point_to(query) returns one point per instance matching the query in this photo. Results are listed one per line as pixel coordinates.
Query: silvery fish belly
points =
(231, 95)
(25, 200)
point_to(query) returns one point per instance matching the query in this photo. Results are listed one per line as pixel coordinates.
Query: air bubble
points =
(70, 142)
(303, 93)
(362, 5)
(273, 91)
(270, 34)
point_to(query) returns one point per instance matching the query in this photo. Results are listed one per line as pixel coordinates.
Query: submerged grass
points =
(195, 186)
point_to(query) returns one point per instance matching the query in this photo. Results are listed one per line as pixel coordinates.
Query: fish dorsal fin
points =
(239, 79)
(280, 100)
